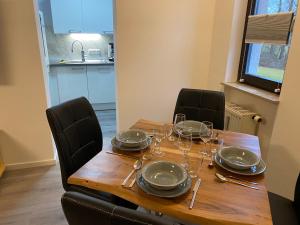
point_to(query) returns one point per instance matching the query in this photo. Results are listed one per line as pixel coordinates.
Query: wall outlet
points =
(95, 52)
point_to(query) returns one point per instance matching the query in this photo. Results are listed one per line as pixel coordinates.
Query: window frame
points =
(249, 79)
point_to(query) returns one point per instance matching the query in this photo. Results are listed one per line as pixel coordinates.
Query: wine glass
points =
(206, 133)
(147, 154)
(168, 129)
(185, 145)
(158, 136)
(179, 117)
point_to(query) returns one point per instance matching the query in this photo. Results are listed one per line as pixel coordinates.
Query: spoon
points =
(224, 179)
(136, 166)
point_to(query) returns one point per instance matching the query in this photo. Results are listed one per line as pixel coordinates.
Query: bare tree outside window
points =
(268, 61)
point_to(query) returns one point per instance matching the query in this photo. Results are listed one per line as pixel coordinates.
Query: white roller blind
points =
(269, 28)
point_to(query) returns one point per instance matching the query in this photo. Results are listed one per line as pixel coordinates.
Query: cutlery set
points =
(136, 166)
(231, 180)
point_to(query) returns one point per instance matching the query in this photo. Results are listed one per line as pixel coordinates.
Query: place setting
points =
(131, 140)
(235, 159)
(164, 179)
(239, 160)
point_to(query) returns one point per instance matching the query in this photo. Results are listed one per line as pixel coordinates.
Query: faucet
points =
(82, 51)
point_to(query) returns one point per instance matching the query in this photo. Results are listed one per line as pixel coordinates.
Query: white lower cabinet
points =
(72, 82)
(95, 82)
(101, 84)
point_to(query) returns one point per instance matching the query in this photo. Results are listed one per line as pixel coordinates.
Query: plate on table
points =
(197, 127)
(164, 175)
(118, 145)
(178, 191)
(238, 158)
(254, 170)
(131, 138)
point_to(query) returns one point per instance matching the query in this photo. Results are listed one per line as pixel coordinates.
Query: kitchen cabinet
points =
(97, 16)
(66, 16)
(95, 82)
(101, 84)
(82, 16)
(71, 82)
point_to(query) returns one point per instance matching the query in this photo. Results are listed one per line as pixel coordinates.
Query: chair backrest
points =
(81, 209)
(77, 134)
(202, 105)
(297, 197)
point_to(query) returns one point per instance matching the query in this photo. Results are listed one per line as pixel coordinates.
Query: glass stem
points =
(185, 158)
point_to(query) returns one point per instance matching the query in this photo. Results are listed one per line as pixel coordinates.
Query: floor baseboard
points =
(17, 166)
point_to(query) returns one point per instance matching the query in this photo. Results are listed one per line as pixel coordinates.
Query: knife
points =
(195, 189)
(120, 154)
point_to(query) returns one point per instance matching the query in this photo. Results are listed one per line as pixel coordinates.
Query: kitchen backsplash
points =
(59, 46)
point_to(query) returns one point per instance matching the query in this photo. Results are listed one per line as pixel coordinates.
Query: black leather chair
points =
(80, 209)
(78, 138)
(285, 211)
(202, 105)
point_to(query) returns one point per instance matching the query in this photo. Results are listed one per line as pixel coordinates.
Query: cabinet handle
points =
(78, 68)
(74, 31)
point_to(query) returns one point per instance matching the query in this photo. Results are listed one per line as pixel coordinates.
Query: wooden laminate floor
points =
(32, 196)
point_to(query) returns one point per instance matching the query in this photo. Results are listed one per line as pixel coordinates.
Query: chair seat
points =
(103, 196)
(283, 211)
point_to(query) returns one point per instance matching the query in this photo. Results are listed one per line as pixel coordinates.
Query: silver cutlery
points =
(136, 166)
(195, 189)
(120, 154)
(132, 183)
(224, 179)
(236, 178)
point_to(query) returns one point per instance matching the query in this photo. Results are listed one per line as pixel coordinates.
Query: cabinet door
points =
(66, 16)
(101, 84)
(72, 82)
(97, 16)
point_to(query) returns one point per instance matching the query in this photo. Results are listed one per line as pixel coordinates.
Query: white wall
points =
(284, 152)
(161, 47)
(25, 135)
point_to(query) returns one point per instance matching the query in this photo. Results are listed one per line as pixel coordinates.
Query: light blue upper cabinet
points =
(86, 16)
(97, 16)
(66, 16)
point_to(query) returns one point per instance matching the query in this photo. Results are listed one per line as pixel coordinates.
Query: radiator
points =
(239, 119)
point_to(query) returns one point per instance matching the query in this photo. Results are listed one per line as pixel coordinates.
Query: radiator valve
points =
(257, 118)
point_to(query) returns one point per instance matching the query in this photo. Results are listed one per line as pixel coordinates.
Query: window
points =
(263, 62)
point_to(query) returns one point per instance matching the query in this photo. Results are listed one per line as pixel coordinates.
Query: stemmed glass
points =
(168, 129)
(158, 136)
(179, 117)
(206, 134)
(185, 144)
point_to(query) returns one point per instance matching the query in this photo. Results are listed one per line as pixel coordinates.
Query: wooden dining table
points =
(216, 203)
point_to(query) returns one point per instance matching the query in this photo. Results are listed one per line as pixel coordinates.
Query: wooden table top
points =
(216, 203)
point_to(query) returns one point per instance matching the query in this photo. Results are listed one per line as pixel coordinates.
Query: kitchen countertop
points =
(79, 63)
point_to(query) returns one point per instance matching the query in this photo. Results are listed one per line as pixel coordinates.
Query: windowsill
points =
(270, 97)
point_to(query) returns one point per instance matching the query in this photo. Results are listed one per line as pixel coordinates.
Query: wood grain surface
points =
(216, 203)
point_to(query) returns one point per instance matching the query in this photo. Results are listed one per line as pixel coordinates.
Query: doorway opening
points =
(78, 47)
